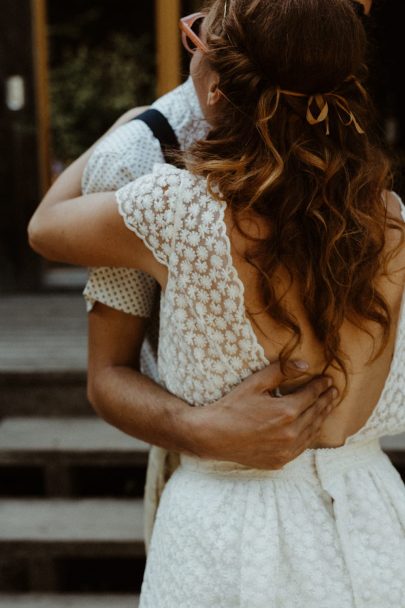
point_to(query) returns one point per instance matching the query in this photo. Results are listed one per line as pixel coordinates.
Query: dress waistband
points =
(312, 464)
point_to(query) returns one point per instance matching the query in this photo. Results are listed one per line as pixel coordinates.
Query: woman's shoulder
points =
(163, 182)
(395, 235)
(395, 205)
(395, 227)
(182, 184)
(168, 169)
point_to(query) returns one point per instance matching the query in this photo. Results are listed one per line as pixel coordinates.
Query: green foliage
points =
(91, 87)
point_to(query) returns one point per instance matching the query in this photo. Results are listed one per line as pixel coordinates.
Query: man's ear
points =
(367, 6)
(362, 6)
(214, 95)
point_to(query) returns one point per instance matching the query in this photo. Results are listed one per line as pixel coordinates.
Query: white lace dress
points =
(327, 530)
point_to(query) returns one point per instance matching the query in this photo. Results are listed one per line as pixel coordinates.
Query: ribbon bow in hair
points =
(321, 101)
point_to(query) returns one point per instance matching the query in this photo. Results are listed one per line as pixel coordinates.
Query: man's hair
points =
(320, 190)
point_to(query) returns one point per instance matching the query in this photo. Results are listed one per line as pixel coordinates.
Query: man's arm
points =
(248, 425)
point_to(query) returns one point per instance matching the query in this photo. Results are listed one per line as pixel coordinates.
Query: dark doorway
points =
(20, 169)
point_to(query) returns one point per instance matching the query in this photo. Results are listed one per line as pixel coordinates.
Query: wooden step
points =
(67, 440)
(80, 528)
(48, 600)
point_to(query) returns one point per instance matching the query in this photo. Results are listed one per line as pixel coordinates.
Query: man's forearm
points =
(247, 425)
(122, 395)
(138, 406)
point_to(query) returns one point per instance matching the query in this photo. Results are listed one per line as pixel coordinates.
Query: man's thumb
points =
(270, 377)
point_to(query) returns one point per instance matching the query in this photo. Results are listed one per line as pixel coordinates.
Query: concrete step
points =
(43, 333)
(80, 528)
(43, 351)
(44, 393)
(36, 440)
(396, 443)
(64, 279)
(395, 448)
(67, 440)
(48, 600)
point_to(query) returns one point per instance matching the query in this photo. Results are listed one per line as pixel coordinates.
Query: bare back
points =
(366, 380)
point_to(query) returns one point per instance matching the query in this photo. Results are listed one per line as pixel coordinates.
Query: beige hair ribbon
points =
(321, 101)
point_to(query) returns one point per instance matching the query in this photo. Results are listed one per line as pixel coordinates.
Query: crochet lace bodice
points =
(207, 344)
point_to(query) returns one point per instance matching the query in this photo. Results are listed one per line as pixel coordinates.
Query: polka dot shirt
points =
(126, 154)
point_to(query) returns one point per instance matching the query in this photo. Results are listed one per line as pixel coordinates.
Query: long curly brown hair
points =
(321, 194)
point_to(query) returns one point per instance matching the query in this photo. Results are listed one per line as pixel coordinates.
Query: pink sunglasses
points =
(190, 29)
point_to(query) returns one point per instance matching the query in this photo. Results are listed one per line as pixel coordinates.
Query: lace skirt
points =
(326, 531)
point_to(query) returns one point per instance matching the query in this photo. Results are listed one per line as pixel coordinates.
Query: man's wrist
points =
(196, 431)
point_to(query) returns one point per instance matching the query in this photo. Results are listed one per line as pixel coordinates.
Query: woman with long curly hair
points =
(280, 238)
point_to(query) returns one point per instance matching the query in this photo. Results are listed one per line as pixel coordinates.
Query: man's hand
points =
(247, 425)
(250, 427)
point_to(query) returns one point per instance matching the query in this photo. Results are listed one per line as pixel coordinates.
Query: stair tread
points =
(394, 443)
(74, 520)
(48, 600)
(87, 434)
(43, 332)
(64, 434)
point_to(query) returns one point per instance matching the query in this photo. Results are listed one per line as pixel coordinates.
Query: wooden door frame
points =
(168, 48)
(40, 63)
(168, 61)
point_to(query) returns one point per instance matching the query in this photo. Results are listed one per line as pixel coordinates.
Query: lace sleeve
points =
(148, 207)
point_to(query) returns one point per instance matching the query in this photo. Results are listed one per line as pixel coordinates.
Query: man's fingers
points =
(318, 412)
(311, 431)
(310, 434)
(271, 376)
(303, 398)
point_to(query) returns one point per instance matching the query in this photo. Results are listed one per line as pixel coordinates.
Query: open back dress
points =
(325, 531)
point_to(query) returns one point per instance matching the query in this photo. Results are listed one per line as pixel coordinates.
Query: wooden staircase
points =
(71, 486)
